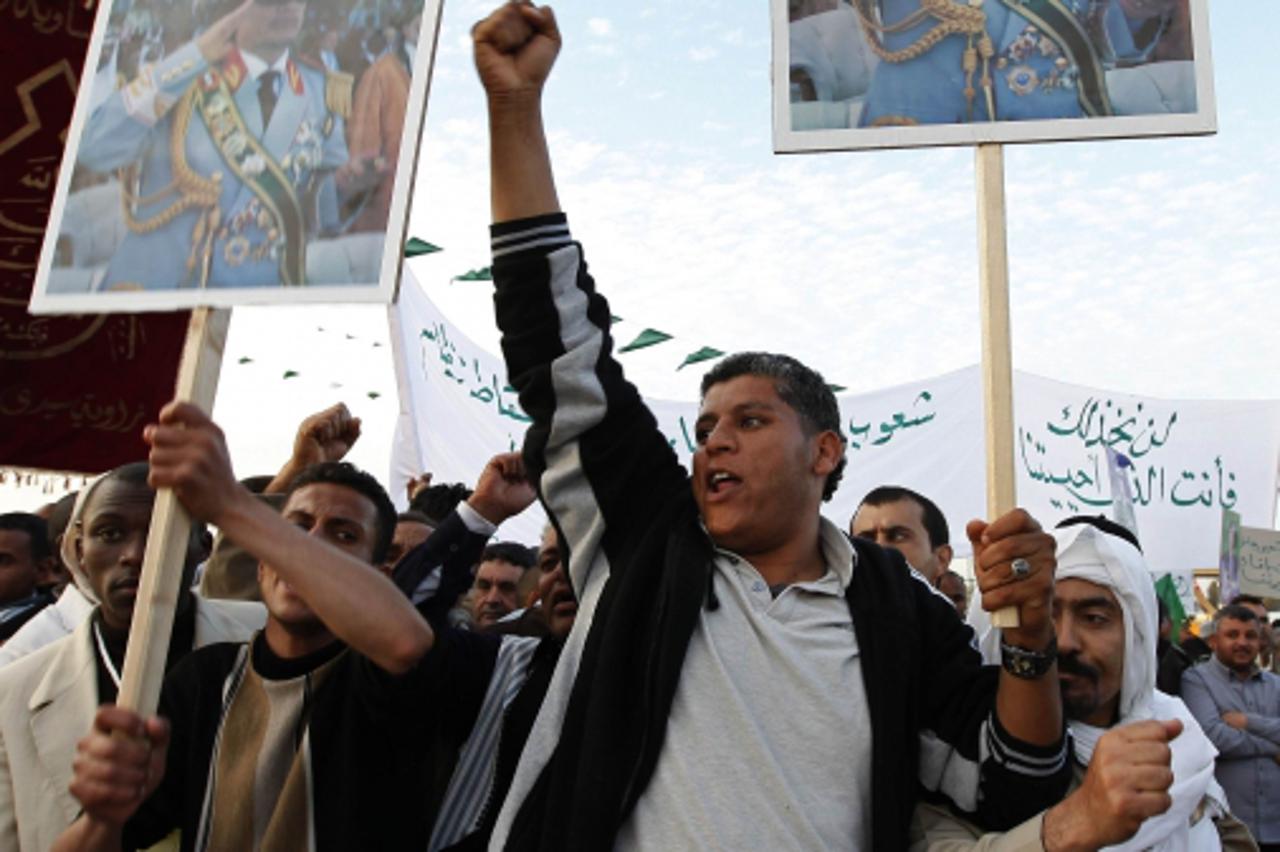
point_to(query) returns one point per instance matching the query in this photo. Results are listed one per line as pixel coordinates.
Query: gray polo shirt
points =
(1247, 759)
(768, 745)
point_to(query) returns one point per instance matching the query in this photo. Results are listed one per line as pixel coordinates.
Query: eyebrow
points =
(1098, 602)
(870, 531)
(739, 408)
(105, 517)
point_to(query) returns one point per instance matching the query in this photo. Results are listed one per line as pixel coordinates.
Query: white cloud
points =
(1141, 266)
(600, 27)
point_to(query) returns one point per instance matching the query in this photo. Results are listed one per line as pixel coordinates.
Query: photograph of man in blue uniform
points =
(217, 156)
(901, 63)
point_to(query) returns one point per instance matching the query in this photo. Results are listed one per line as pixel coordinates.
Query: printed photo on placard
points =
(229, 152)
(854, 74)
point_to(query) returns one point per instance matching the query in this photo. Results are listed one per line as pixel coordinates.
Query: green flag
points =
(485, 274)
(1167, 591)
(415, 247)
(706, 353)
(648, 337)
(837, 388)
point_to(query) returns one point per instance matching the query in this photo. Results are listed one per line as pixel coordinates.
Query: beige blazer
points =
(47, 703)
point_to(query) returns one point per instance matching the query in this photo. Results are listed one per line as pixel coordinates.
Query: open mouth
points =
(721, 482)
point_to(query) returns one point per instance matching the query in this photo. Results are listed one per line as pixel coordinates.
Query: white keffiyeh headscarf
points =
(75, 531)
(1087, 553)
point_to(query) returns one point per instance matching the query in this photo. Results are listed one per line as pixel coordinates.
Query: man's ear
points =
(828, 450)
(943, 554)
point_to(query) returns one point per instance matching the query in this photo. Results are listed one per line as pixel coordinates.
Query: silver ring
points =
(1020, 568)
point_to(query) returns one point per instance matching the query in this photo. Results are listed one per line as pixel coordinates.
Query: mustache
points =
(1071, 664)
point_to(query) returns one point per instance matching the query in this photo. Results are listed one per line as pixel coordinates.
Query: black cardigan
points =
(623, 506)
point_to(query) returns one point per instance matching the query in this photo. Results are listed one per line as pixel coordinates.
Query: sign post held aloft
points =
(997, 354)
(161, 580)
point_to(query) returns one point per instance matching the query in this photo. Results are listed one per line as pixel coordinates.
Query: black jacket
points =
(640, 562)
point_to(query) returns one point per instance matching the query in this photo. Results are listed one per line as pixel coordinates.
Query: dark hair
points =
(350, 476)
(134, 473)
(511, 552)
(412, 517)
(437, 501)
(798, 386)
(36, 529)
(1237, 612)
(1103, 523)
(935, 523)
(1243, 598)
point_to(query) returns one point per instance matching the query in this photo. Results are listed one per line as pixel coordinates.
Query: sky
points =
(1143, 266)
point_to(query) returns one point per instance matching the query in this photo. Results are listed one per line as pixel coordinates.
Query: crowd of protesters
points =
(684, 660)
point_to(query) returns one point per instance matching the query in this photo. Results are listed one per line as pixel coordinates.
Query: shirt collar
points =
(838, 554)
(1254, 672)
(837, 551)
(255, 65)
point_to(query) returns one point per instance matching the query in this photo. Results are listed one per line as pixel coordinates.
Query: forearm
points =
(1232, 742)
(1266, 727)
(1068, 828)
(118, 131)
(87, 834)
(1229, 741)
(358, 604)
(284, 478)
(944, 831)
(1031, 710)
(521, 180)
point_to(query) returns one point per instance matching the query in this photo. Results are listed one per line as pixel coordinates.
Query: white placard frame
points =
(383, 290)
(787, 141)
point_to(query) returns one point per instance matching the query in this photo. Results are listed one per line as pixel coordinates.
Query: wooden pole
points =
(161, 580)
(997, 354)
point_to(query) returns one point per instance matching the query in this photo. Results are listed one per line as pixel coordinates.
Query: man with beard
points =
(1239, 706)
(1143, 768)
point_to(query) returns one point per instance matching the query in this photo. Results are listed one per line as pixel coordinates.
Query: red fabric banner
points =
(75, 391)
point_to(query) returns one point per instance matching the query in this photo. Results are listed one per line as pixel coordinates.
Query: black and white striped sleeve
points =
(594, 449)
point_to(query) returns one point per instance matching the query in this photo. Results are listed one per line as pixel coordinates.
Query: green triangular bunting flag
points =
(485, 274)
(648, 337)
(706, 353)
(837, 388)
(289, 374)
(415, 247)
(246, 360)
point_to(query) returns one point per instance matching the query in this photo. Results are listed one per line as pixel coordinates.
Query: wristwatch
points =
(1025, 663)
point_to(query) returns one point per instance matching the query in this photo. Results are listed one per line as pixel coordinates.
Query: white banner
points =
(1190, 459)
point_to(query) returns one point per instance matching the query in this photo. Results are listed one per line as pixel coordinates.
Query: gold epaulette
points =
(338, 86)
